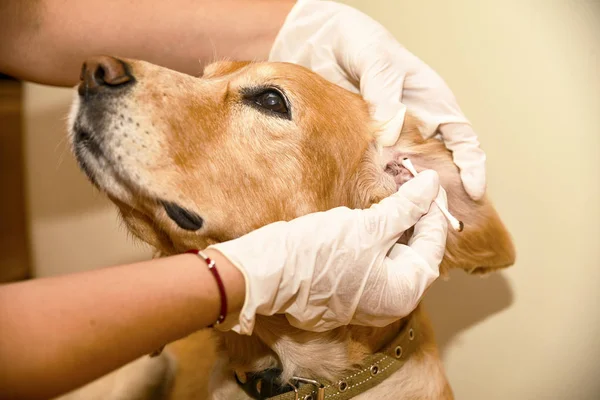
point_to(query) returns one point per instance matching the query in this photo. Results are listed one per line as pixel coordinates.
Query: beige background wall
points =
(527, 73)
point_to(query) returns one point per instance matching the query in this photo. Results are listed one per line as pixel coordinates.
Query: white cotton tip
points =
(409, 166)
(456, 224)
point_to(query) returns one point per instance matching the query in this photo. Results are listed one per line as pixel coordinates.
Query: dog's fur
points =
(199, 143)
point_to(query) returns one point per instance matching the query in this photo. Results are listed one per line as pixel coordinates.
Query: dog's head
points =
(195, 161)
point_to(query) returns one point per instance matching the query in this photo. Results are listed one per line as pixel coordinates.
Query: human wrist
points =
(233, 280)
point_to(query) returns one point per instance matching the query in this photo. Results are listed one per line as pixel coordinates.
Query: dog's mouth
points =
(108, 174)
(89, 153)
(97, 130)
(102, 167)
(85, 142)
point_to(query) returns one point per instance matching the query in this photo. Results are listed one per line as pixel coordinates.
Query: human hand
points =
(332, 268)
(352, 50)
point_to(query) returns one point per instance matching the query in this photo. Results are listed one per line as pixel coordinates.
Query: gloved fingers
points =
(428, 96)
(411, 269)
(381, 85)
(400, 211)
(371, 57)
(429, 236)
(427, 244)
(468, 157)
(407, 277)
(473, 177)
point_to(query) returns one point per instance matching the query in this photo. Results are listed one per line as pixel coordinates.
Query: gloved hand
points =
(352, 50)
(332, 268)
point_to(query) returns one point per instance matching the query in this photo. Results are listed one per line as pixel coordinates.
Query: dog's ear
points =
(485, 244)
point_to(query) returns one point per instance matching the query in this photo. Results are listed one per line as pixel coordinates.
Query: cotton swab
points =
(456, 224)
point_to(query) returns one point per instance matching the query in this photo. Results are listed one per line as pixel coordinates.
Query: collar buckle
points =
(320, 393)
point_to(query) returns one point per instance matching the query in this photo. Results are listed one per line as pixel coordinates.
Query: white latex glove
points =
(332, 268)
(354, 51)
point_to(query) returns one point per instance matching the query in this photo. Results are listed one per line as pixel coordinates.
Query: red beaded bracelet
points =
(212, 267)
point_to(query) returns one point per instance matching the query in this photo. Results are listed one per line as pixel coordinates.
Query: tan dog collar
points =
(375, 369)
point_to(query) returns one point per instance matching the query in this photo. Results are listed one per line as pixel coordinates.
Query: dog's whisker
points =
(65, 149)
(214, 49)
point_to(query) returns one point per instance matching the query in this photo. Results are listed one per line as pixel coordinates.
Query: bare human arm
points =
(59, 333)
(46, 41)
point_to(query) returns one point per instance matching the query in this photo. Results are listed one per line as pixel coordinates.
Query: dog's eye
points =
(185, 219)
(269, 100)
(272, 100)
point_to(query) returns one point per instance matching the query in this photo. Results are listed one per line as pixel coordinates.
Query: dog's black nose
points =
(103, 72)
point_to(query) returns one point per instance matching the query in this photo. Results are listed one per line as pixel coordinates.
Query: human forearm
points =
(46, 41)
(65, 331)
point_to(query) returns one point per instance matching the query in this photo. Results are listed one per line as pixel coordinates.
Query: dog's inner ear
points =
(485, 244)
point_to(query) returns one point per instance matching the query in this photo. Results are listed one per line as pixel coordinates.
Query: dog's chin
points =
(144, 227)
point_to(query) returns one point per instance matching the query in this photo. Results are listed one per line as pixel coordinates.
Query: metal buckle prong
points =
(320, 387)
(295, 389)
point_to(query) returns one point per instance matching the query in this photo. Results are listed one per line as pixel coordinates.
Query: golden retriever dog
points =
(192, 161)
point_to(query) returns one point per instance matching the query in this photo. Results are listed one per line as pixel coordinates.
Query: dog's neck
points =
(329, 355)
